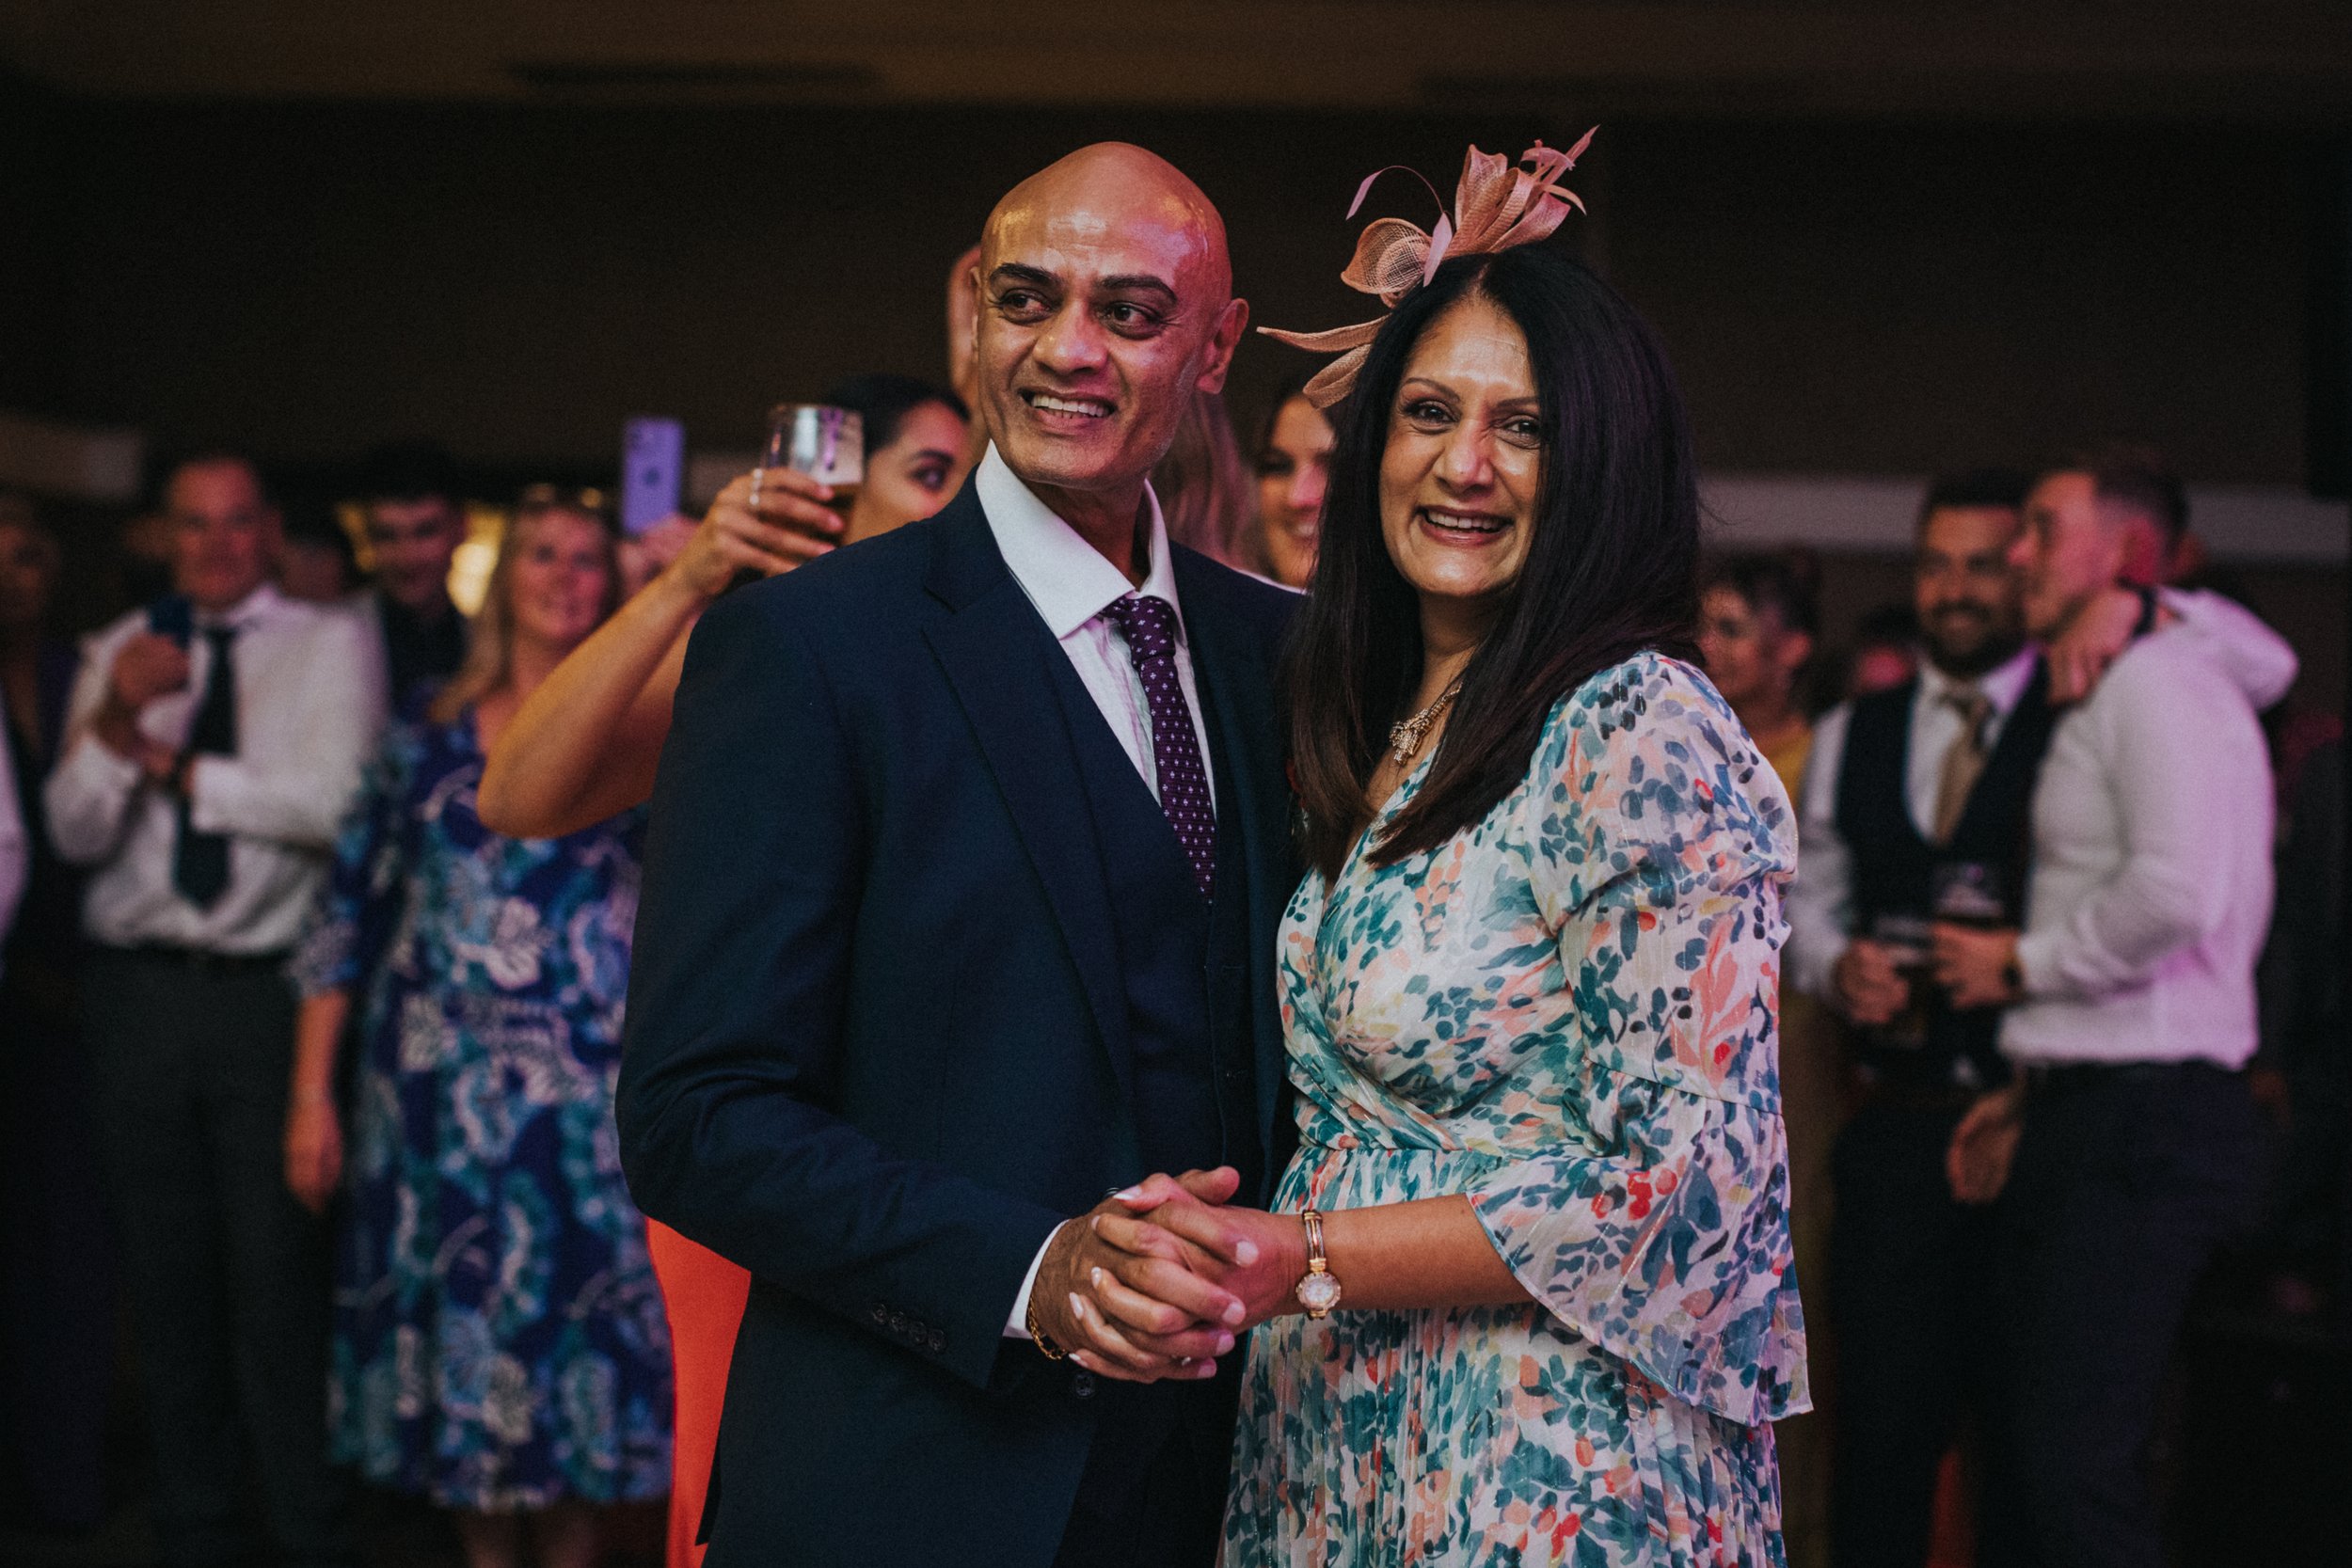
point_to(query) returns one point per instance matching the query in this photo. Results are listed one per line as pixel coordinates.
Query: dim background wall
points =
(303, 279)
(1869, 298)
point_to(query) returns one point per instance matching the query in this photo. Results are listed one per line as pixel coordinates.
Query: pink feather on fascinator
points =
(1495, 206)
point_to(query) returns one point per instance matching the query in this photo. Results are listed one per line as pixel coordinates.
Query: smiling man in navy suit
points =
(966, 862)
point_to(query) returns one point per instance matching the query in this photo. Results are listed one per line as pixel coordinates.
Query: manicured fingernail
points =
(1236, 1312)
(1224, 1343)
(1094, 1276)
(1095, 1224)
(1077, 1304)
(1129, 1195)
(1246, 1254)
(1204, 1369)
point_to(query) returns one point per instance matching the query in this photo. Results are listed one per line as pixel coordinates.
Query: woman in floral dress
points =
(499, 1346)
(1529, 981)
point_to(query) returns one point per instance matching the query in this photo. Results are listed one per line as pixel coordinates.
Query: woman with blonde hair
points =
(498, 1343)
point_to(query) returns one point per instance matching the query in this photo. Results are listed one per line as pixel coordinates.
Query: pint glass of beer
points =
(828, 444)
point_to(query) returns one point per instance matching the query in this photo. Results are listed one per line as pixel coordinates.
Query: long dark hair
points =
(1611, 569)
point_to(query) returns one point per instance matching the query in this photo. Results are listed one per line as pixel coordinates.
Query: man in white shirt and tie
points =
(214, 740)
(2124, 1149)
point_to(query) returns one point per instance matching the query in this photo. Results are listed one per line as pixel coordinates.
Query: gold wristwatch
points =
(1318, 1291)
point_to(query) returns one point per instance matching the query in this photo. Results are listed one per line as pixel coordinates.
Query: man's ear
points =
(1223, 339)
(1795, 648)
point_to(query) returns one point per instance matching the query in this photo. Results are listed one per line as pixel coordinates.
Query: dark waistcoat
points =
(1895, 868)
(1185, 962)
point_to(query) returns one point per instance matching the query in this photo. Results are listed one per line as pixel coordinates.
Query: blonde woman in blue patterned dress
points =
(1529, 985)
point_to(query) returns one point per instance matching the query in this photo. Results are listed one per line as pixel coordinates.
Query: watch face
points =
(1319, 1292)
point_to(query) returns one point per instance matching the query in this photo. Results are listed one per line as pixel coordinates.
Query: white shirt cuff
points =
(1017, 1326)
(2034, 976)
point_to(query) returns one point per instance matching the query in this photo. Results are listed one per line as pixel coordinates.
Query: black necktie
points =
(199, 862)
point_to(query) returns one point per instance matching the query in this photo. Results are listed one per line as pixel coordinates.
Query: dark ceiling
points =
(2273, 62)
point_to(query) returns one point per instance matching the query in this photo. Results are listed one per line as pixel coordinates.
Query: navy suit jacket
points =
(877, 1042)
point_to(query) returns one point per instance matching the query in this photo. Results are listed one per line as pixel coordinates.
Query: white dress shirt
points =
(16, 850)
(2228, 636)
(310, 704)
(1071, 585)
(2151, 870)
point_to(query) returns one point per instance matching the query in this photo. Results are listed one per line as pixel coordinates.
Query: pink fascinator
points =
(1495, 206)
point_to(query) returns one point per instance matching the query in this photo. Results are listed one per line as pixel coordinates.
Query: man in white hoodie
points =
(2124, 1151)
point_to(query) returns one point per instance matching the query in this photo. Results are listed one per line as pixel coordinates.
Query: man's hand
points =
(790, 525)
(1867, 986)
(1977, 968)
(2078, 656)
(314, 1152)
(145, 668)
(1140, 1313)
(1257, 1256)
(1976, 1164)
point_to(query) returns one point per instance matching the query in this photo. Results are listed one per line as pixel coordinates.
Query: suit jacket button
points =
(1082, 1384)
(937, 1341)
(898, 1323)
(881, 1312)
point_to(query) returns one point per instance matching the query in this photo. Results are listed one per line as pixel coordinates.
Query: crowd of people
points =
(350, 1015)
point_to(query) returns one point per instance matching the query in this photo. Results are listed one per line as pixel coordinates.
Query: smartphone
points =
(173, 616)
(653, 471)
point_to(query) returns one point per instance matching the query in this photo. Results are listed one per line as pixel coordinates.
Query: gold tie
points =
(1963, 763)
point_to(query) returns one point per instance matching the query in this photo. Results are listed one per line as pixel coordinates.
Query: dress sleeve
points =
(360, 902)
(1658, 847)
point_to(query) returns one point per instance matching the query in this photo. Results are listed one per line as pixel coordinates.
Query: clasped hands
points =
(1161, 1279)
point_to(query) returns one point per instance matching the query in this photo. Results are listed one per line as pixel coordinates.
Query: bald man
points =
(966, 862)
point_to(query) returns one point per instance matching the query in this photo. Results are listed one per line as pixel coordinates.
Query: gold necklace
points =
(1404, 737)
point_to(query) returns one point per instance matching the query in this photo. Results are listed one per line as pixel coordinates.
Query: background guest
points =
(499, 1345)
(914, 445)
(143, 554)
(588, 739)
(586, 745)
(1757, 627)
(415, 520)
(1918, 783)
(1204, 485)
(318, 564)
(216, 738)
(1886, 651)
(1294, 463)
(58, 1329)
(2125, 1152)
(16, 853)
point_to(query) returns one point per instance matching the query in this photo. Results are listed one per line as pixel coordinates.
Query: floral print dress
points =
(1567, 1013)
(499, 1339)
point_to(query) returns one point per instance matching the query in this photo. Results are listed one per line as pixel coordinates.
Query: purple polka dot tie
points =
(1150, 626)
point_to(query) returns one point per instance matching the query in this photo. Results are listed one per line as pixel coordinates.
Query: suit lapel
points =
(1238, 692)
(995, 652)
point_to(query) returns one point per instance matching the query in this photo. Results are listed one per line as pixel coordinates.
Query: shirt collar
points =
(1065, 578)
(260, 604)
(2004, 685)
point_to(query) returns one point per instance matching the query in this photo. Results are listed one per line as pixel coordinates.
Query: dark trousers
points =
(226, 1274)
(1909, 1294)
(1154, 1492)
(2125, 1183)
(58, 1295)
